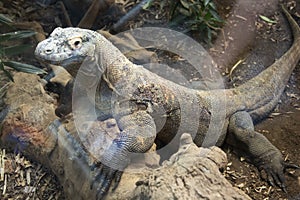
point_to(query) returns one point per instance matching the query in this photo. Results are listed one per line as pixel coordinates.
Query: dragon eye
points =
(75, 43)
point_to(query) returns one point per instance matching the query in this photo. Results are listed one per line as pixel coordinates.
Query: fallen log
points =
(32, 128)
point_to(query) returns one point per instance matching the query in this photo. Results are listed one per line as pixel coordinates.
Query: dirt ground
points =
(282, 126)
(245, 37)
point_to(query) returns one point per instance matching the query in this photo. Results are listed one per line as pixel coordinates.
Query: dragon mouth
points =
(62, 59)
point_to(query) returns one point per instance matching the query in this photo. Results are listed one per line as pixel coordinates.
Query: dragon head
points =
(66, 46)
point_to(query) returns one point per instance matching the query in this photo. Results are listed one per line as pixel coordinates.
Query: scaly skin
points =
(148, 107)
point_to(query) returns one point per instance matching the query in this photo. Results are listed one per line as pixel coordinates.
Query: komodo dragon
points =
(139, 124)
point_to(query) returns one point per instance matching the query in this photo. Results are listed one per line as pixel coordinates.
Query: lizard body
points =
(148, 107)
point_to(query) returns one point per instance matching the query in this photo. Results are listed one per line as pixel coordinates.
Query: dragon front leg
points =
(138, 132)
(264, 155)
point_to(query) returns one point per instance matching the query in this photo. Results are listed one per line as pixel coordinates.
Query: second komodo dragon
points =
(143, 95)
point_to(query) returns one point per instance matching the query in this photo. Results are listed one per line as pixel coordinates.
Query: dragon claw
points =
(117, 179)
(287, 165)
(275, 177)
(275, 171)
(104, 179)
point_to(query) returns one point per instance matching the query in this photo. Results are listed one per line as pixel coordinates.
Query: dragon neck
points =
(106, 54)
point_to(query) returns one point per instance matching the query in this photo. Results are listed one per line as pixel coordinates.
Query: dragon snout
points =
(48, 51)
(54, 52)
(43, 48)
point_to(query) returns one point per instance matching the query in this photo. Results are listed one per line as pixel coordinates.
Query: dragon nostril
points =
(48, 51)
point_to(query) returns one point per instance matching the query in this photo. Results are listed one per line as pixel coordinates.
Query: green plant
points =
(7, 50)
(195, 15)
